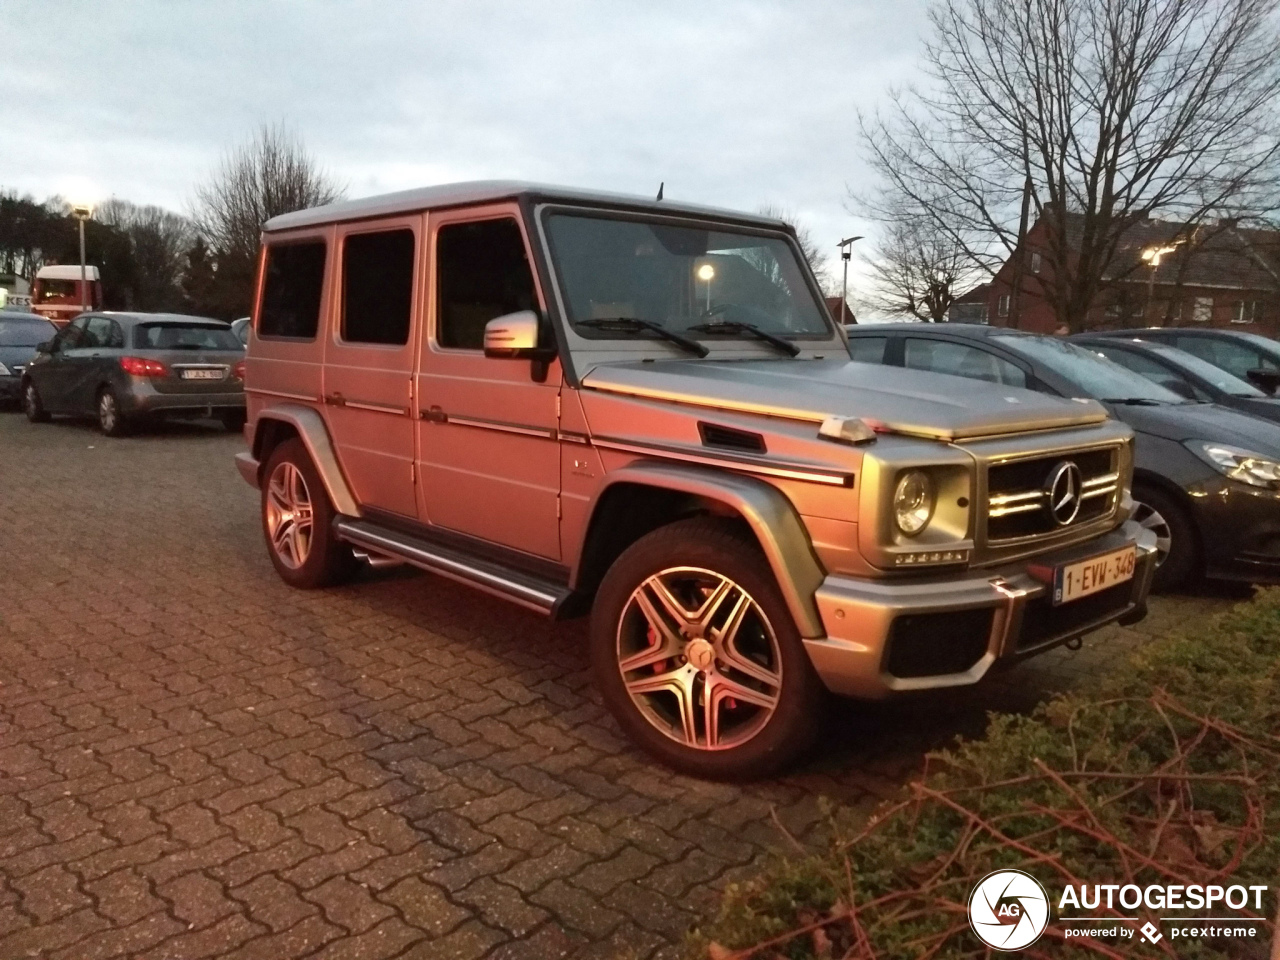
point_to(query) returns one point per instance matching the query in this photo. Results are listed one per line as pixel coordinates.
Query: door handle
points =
(335, 399)
(435, 415)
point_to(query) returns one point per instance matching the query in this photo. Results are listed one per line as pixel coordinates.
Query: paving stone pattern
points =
(197, 761)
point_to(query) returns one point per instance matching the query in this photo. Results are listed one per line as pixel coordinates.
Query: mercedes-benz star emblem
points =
(1063, 489)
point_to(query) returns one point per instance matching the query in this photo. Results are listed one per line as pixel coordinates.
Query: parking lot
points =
(197, 761)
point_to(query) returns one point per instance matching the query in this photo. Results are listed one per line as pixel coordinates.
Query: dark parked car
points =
(1246, 355)
(1185, 374)
(125, 367)
(20, 333)
(1206, 478)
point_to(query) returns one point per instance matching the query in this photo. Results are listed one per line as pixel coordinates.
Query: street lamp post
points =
(846, 251)
(705, 273)
(82, 212)
(1153, 255)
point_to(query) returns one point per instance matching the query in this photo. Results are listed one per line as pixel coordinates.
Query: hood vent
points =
(727, 438)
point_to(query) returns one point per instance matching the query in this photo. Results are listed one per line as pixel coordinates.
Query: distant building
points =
(972, 307)
(1218, 274)
(833, 304)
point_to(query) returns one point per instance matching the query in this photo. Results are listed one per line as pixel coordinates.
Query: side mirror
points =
(1265, 379)
(514, 336)
(46, 347)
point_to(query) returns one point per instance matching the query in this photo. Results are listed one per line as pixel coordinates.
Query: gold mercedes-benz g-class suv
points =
(584, 402)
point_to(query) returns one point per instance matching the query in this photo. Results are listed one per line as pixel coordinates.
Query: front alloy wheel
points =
(31, 404)
(110, 420)
(1151, 519)
(699, 658)
(289, 515)
(696, 654)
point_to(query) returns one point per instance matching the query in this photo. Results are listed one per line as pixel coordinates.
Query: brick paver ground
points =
(197, 761)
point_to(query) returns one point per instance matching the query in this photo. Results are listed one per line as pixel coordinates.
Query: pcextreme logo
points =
(1009, 910)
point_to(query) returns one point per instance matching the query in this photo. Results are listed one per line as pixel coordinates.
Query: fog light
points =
(913, 502)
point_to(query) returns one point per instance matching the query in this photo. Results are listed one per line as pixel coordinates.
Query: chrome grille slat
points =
(1018, 499)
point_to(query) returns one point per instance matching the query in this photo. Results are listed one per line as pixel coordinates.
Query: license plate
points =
(1071, 581)
(202, 374)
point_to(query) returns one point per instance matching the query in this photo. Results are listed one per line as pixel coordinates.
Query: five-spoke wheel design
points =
(699, 658)
(1151, 519)
(289, 515)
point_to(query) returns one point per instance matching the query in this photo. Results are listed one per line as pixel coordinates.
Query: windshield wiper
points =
(737, 326)
(636, 325)
(1134, 401)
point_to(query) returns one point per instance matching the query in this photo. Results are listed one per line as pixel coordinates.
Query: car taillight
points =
(238, 370)
(141, 367)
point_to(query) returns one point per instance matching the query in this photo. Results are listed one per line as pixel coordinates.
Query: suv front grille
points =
(1023, 501)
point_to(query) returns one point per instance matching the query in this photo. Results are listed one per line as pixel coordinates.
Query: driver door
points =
(53, 378)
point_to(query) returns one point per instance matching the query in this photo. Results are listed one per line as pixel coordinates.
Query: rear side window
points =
(291, 290)
(867, 349)
(181, 336)
(377, 287)
(482, 273)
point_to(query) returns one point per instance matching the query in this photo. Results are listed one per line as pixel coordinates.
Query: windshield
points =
(178, 336)
(25, 333)
(1091, 373)
(1207, 371)
(682, 278)
(49, 289)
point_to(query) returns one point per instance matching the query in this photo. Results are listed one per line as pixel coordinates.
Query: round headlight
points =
(913, 502)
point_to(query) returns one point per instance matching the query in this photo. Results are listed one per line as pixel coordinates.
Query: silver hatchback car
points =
(126, 367)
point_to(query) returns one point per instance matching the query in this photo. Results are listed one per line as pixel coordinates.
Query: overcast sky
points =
(731, 103)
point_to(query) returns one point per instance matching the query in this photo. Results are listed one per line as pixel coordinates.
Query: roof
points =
(1222, 254)
(490, 191)
(66, 271)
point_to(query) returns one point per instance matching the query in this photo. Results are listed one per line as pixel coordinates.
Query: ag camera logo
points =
(1009, 910)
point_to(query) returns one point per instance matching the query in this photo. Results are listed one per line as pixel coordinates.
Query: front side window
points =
(1235, 358)
(961, 360)
(681, 278)
(377, 287)
(1090, 373)
(482, 272)
(291, 289)
(72, 334)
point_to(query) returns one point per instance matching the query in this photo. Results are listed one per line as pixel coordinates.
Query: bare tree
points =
(918, 271)
(271, 174)
(1101, 113)
(819, 262)
(160, 240)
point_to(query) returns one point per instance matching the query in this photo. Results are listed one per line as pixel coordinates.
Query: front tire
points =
(32, 405)
(233, 421)
(111, 421)
(297, 520)
(697, 656)
(1177, 549)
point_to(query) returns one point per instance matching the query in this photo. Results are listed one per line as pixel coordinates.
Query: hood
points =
(1204, 421)
(891, 399)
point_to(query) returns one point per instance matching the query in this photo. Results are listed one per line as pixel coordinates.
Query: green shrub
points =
(1165, 772)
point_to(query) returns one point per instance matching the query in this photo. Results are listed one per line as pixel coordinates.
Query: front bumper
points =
(1239, 529)
(888, 637)
(10, 388)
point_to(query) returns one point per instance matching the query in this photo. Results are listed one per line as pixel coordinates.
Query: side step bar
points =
(528, 590)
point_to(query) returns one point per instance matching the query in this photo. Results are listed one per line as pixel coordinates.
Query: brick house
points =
(1217, 274)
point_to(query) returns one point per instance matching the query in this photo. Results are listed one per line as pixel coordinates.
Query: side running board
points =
(528, 590)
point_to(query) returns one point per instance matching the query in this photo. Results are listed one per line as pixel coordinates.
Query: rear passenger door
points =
(368, 361)
(488, 448)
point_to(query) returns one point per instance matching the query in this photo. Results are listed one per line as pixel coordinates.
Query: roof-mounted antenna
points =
(660, 186)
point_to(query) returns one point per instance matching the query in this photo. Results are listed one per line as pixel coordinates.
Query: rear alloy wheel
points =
(297, 520)
(110, 420)
(1177, 551)
(698, 658)
(31, 404)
